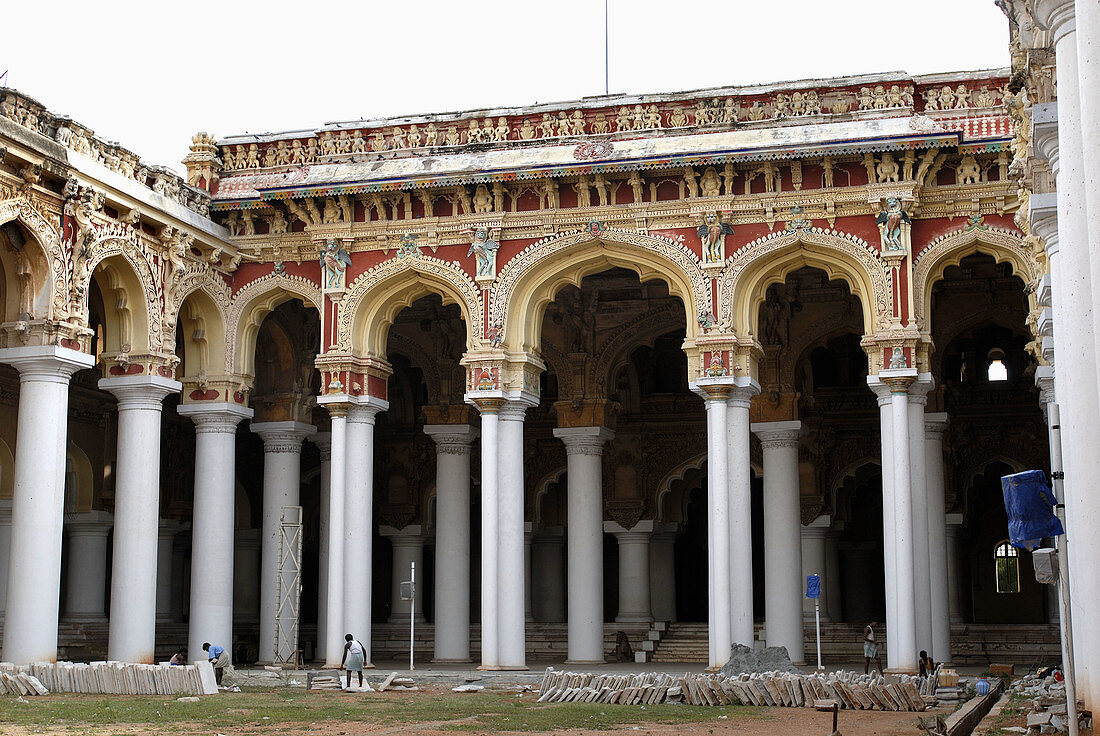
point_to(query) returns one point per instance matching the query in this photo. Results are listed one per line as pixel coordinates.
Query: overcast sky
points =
(150, 74)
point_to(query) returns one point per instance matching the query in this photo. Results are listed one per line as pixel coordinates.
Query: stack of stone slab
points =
(113, 678)
(777, 689)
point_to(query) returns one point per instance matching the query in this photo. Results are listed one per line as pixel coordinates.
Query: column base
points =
(585, 661)
(446, 660)
(405, 620)
(79, 618)
(503, 668)
(899, 671)
(639, 618)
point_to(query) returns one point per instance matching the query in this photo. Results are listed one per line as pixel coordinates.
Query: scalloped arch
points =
(249, 307)
(50, 282)
(377, 295)
(138, 315)
(768, 260)
(949, 249)
(530, 280)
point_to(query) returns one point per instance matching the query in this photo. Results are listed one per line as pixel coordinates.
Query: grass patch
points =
(271, 708)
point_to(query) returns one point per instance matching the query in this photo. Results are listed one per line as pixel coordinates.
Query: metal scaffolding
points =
(288, 586)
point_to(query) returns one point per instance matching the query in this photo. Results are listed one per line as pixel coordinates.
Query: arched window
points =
(1007, 562)
(996, 370)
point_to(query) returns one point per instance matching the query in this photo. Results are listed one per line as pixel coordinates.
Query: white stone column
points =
(166, 543)
(584, 530)
(886, 451)
(1074, 305)
(335, 579)
(511, 626)
(954, 523)
(634, 601)
(489, 407)
(282, 487)
(922, 582)
(359, 519)
(246, 577)
(323, 440)
(739, 466)
(408, 548)
(452, 540)
(528, 537)
(934, 427)
(5, 547)
(132, 629)
(547, 566)
(38, 500)
(86, 592)
(213, 540)
(782, 539)
(813, 563)
(662, 572)
(832, 573)
(716, 392)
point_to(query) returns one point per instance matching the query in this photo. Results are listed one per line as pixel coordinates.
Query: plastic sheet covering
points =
(1029, 503)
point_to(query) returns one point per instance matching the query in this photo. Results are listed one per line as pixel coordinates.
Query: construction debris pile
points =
(334, 683)
(1045, 703)
(113, 678)
(783, 689)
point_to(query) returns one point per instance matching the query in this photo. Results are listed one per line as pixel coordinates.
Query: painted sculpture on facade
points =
(334, 262)
(712, 234)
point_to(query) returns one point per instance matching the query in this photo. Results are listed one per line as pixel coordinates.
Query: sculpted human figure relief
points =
(887, 169)
(576, 122)
(398, 138)
(334, 264)
(865, 98)
(712, 236)
(584, 194)
(483, 201)
(414, 137)
(484, 249)
(378, 141)
(343, 142)
(282, 154)
(546, 127)
(652, 117)
(526, 130)
(890, 225)
(710, 184)
(968, 171)
(599, 126)
(431, 135)
(622, 121)
(358, 142)
(451, 138)
(297, 153)
(503, 130)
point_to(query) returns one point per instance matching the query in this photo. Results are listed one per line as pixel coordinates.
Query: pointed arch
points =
(377, 295)
(247, 311)
(768, 260)
(202, 317)
(1005, 246)
(531, 279)
(131, 328)
(31, 278)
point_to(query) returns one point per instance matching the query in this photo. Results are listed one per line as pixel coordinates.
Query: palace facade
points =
(629, 363)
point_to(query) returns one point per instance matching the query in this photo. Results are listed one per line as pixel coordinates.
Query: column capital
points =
(516, 405)
(213, 418)
(1044, 132)
(935, 424)
(777, 434)
(584, 440)
(640, 532)
(898, 380)
(920, 388)
(953, 521)
(713, 389)
(452, 439)
(171, 527)
(363, 409)
(407, 536)
(95, 523)
(1055, 16)
(819, 527)
(486, 402)
(140, 392)
(742, 392)
(1044, 380)
(323, 440)
(283, 436)
(46, 363)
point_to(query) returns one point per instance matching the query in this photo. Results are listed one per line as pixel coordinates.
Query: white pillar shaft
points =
(662, 576)
(336, 579)
(166, 543)
(132, 632)
(718, 527)
(490, 423)
(547, 564)
(634, 602)
(246, 577)
(511, 631)
(782, 539)
(584, 533)
(951, 548)
(937, 537)
(740, 518)
(86, 593)
(282, 481)
(408, 549)
(886, 449)
(922, 582)
(358, 524)
(832, 579)
(813, 563)
(323, 440)
(213, 542)
(527, 538)
(452, 541)
(5, 548)
(901, 645)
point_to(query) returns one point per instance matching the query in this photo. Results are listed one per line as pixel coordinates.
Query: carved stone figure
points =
(947, 98)
(334, 264)
(563, 123)
(484, 249)
(331, 213)
(962, 97)
(691, 187)
(576, 123)
(677, 118)
(328, 143)
(637, 186)
(343, 142)
(893, 96)
(398, 138)
(451, 138)
(503, 130)
(358, 142)
(968, 171)
(712, 236)
(890, 224)
(887, 169)
(282, 154)
(549, 191)
(602, 188)
(584, 194)
(865, 98)
(879, 95)
(297, 153)
(710, 184)
(600, 126)
(278, 223)
(623, 120)
(483, 201)
(252, 161)
(526, 130)
(378, 141)
(652, 117)
(782, 106)
(546, 127)
(985, 97)
(414, 138)
(431, 136)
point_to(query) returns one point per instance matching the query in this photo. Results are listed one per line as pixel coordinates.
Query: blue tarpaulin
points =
(1029, 503)
(813, 586)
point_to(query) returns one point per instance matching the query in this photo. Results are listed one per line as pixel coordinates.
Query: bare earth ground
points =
(435, 711)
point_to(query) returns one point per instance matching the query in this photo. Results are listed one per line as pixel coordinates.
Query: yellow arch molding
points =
(127, 329)
(203, 323)
(250, 305)
(50, 289)
(768, 261)
(379, 294)
(948, 250)
(532, 278)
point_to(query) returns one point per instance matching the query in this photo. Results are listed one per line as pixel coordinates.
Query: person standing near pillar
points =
(219, 659)
(870, 648)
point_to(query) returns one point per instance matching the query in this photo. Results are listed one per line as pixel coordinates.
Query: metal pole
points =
(1056, 478)
(412, 615)
(606, 86)
(817, 620)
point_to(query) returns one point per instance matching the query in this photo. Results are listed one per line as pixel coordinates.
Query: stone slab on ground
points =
(746, 659)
